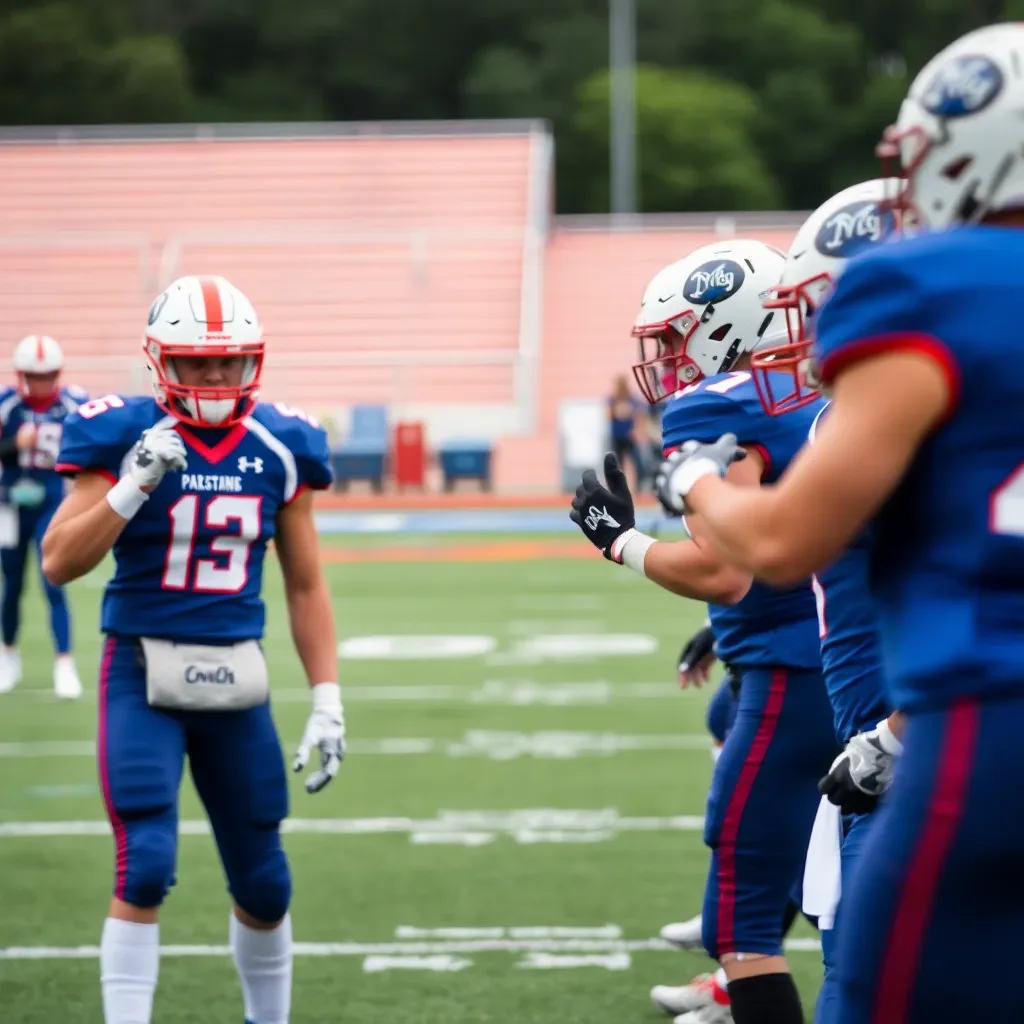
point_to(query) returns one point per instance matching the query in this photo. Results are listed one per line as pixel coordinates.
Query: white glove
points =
(325, 730)
(863, 771)
(685, 466)
(159, 449)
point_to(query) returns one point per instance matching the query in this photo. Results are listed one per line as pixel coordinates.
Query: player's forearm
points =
(312, 622)
(684, 568)
(742, 523)
(73, 547)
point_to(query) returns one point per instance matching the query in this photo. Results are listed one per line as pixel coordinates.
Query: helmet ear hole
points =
(720, 333)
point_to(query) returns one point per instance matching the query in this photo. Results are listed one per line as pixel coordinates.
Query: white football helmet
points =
(958, 134)
(851, 222)
(703, 312)
(36, 355)
(198, 317)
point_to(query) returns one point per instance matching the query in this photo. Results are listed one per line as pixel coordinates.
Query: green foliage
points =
(59, 65)
(740, 102)
(695, 146)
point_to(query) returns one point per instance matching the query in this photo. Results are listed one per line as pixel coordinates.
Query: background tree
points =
(740, 102)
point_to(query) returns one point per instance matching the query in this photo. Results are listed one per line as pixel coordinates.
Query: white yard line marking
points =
(389, 949)
(525, 826)
(492, 745)
(524, 692)
(556, 961)
(376, 964)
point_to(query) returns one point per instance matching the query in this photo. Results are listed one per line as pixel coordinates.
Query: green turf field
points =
(527, 784)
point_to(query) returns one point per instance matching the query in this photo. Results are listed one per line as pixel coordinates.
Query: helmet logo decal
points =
(158, 305)
(713, 282)
(963, 86)
(854, 228)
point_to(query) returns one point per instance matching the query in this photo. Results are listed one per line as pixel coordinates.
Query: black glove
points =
(696, 649)
(685, 466)
(604, 513)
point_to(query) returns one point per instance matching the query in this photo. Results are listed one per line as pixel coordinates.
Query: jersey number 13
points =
(207, 576)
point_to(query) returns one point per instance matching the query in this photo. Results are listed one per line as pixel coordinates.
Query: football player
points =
(700, 320)
(707, 993)
(187, 487)
(918, 343)
(32, 416)
(851, 222)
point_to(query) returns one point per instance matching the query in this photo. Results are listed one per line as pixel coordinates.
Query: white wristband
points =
(631, 549)
(689, 473)
(126, 497)
(327, 698)
(887, 738)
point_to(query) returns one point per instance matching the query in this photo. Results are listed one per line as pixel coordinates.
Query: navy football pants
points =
(721, 711)
(940, 877)
(761, 808)
(32, 524)
(238, 770)
(856, 828)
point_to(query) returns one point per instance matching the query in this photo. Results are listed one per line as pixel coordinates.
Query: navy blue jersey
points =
(771, 626)
(37, 463)
(948, 564)
(851, 647)
(190, 563)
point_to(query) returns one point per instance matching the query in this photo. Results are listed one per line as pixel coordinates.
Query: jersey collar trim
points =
(224, 447)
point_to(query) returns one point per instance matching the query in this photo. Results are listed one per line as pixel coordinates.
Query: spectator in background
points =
(628, 425)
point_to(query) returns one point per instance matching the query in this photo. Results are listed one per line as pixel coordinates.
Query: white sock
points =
(264, 963)
(129, 964)
(720, 979)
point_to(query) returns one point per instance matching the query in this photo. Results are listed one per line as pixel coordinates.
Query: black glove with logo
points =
(696, 649)
(604, 514)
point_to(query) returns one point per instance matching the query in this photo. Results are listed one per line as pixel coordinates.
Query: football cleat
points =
(703, 993)
(717, 1013)
(684, 934)
(66, 684)
(10, 669)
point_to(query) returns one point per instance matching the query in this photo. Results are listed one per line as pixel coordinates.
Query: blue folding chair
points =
(467, 459)
(363, 454)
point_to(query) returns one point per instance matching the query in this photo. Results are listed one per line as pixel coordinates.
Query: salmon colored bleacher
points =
(399, 247)
(166, 187)
(386, 301)
(386, 269)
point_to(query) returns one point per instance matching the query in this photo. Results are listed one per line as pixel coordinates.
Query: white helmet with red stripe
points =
(203, 317)
(37, 355)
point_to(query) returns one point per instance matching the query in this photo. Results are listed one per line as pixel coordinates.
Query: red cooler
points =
(409, 455)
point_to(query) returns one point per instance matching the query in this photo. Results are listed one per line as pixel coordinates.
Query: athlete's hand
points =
(604, 514)
(159, 450)
(685, 466)
(696, 658)
(325, 731)
(670, 501)
(863, 771)
(26, 437)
